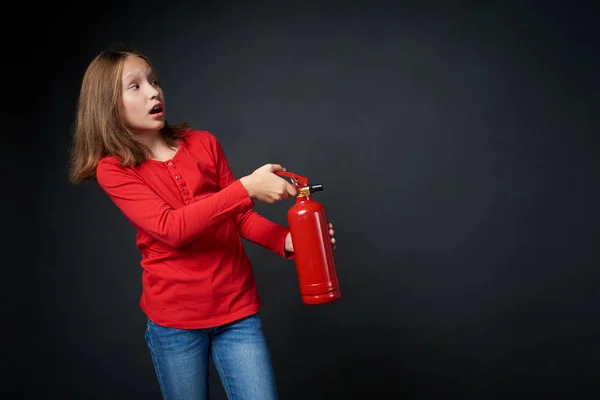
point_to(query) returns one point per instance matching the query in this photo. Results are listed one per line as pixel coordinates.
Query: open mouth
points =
(156, 110)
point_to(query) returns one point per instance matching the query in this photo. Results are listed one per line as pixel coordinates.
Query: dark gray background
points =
(456, 145)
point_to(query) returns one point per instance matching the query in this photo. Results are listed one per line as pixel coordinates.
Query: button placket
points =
(185, 194)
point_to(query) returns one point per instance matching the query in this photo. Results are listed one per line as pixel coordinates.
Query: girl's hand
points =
(265, 186)
(290, 247)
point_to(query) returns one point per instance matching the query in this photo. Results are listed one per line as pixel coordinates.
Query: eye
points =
(155, 83)
(134, 86)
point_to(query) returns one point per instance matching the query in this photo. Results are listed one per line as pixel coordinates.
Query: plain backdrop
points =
(456, 146)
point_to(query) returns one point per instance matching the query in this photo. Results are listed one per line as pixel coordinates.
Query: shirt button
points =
(176, 176)
(170, 164)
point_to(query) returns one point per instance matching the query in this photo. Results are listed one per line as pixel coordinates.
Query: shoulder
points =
(109, 163)
(109, 171)
(202, 142)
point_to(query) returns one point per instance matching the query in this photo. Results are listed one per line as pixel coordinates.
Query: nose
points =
(153, 92)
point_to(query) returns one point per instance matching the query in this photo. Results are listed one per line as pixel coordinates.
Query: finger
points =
(291, 190)
(332, 240)
(331, 232)
(277, 167)
(330, 225)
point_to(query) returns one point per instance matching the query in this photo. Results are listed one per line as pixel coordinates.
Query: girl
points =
(175, 186)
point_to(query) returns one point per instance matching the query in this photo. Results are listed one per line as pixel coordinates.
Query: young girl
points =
(175, 186)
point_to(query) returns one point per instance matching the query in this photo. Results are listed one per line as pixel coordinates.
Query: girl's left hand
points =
(290, 247)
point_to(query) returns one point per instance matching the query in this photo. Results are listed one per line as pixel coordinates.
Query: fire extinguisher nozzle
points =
(316, 188)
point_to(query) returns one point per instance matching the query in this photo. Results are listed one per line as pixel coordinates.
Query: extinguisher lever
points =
(297, 180)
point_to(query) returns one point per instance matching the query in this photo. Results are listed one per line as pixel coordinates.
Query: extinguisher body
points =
(315, 264)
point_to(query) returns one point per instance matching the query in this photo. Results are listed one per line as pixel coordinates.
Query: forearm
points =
(259, 230)
(181, 226)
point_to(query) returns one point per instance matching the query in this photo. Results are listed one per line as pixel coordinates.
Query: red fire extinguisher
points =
(309, 228)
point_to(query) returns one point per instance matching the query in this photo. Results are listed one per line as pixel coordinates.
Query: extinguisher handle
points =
(297, 180)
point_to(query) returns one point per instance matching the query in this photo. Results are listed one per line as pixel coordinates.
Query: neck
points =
(150, 139)
(157, 145)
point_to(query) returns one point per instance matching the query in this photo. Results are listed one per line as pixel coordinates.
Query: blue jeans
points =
(238, 350)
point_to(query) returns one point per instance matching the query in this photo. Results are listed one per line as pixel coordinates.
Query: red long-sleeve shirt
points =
(190, 214)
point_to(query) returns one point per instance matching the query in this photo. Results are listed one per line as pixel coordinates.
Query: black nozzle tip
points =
(316, 188)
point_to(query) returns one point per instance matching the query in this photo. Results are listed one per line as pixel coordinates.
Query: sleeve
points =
(251, 225)
(175, 227)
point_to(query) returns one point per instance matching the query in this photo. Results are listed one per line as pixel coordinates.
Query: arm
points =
(175, 227)
(251, 225)
(264, 232)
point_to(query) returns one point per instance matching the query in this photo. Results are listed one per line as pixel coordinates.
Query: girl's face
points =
(142, 100)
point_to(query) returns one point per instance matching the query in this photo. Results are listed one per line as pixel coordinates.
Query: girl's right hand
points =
(264, 186)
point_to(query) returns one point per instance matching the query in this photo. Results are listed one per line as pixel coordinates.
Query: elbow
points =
(170, 232)
(174, 242)
(175, 239)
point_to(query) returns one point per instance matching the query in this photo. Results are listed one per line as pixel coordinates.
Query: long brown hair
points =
(98, 130)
